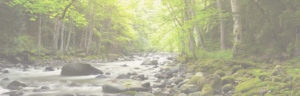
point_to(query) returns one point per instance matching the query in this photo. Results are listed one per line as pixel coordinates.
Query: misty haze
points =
(149, 48)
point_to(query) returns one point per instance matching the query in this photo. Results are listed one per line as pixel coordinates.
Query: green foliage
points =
(226, 54)
(23, 43)
(247, 85)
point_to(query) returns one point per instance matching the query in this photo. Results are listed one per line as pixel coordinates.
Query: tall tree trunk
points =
(62, 32)
(82, 39)
(237, 27)
(90, 26)
(221, 21)
(69, 36)
(188, 18)
(56, 34)
(86, 37)
(40, 36)
(297, 43)
(200, 39)
(90, 36)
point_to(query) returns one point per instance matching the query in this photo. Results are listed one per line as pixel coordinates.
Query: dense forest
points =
(243, 47)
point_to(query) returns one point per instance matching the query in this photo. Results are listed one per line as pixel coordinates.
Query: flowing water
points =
(80, 85)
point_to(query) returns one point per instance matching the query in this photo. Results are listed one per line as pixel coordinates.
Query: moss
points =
(253, 92)
(228, 80)
(277, 70)
(247, 85)
(277, 79)
(195, 79)
(92, 57)
(216, 82)
(255, 86)
(199, 81)
(220, 73)
(129, 93)
(207, 90)
(236, 68)
(227, 87)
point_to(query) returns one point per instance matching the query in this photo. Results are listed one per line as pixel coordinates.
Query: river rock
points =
(47, 69)
(162, 76)
(107, 73)
(171, 58)
(5, 71)
(123, 76)
(178, 80)
(149, 62)
(129, 93)
(188, 88)
(15, 93)
(146, 85)
(226, 88)
(132, 73)
(183, 94)
(101, 76)
(143, 94)
(124, 65)
(45, 88)
(138, 89)
(42, 89)
(160, 85)
(79, 70)
(15, 85)
(196, 94)
(5, 79)
(142, 77)
(112, 88)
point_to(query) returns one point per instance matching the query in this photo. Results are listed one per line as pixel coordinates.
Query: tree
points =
(221, 21)
(237, 27)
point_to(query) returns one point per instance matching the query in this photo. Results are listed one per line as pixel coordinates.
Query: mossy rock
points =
(226, 88)
(129, 93)
(278, 71)
(297, 93)
(264, 77)
(216, 82)
(92, 57)
(255, 86)
(207, 90)
(277, 79)
(188, 88)
(228, 80)
(220, 73)
(195, 79)
(244, 63)
(199, 81)
(196, 94)
(247, 85)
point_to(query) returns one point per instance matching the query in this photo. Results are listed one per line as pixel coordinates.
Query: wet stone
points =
(123, 76)
(47, 69)
(146, 85)
(15, 85)
(5, 71)
(101, 77)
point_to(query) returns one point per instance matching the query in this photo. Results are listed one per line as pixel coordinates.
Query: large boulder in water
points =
(15, 85)
(79, 69)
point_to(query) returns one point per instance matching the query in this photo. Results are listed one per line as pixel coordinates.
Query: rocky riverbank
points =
(160, 74)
